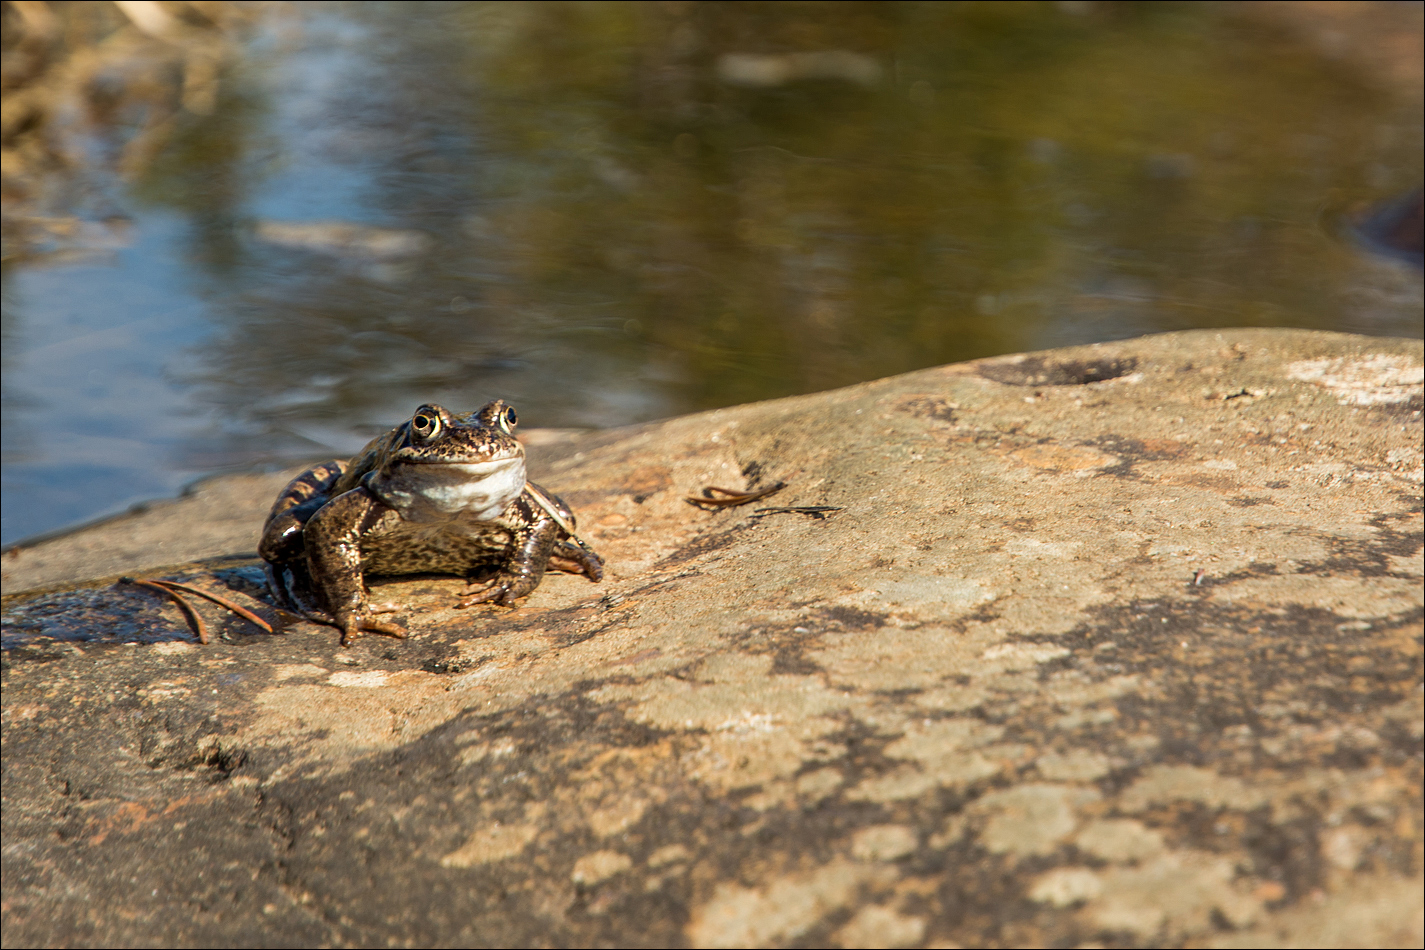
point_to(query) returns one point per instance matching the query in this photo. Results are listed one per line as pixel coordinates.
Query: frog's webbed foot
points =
(503, 590)
(573, 556)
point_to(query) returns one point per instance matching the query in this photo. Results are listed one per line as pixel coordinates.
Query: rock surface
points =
(1115, 644)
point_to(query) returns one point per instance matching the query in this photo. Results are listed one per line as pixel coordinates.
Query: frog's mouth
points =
(433, 491)
(470, 470)
(403, 458)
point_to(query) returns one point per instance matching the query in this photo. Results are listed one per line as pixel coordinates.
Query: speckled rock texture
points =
(1114, 645)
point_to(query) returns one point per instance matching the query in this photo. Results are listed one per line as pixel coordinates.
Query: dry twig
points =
(730, 498)
(238, 609)
(816, 511)
(175, 591)
(194, 621)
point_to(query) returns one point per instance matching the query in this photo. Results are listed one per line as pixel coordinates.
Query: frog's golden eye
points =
(508, 420)
(425, 425)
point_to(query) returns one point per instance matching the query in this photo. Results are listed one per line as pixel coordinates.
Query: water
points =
(607, 213)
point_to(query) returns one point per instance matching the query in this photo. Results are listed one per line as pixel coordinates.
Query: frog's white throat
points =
(479, 491)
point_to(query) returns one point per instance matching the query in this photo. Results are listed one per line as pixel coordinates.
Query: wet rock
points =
(1115, 644)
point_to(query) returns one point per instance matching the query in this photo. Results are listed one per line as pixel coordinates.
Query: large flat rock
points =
(1116, 644)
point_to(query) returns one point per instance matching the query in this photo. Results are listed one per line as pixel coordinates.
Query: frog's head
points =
(443, 463)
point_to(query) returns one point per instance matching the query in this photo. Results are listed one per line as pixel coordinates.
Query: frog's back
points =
(326, 480)
(367, 460)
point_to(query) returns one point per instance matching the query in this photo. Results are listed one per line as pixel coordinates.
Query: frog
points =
(441, 493)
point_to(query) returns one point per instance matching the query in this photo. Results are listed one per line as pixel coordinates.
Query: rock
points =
(1114, 643)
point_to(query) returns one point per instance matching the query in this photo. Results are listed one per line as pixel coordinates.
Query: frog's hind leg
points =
(292, 590)
(303, 497)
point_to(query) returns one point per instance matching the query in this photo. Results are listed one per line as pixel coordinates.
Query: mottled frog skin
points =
(442, 493)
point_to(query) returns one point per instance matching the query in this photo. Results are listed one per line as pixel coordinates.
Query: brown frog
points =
(441, 494)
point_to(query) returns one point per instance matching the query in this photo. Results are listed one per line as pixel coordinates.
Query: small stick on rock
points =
(194, 621)
(241, 611)
(729, 497)
(816, 511)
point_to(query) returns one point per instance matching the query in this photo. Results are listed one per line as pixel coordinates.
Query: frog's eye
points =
(425, 425)
(508, 420)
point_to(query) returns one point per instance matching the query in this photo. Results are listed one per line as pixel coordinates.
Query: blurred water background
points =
(247, 234)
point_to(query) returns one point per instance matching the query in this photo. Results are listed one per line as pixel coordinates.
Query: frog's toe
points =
(593, 570)
(495, 593)
(384, 608)
(356, 625)
(385, 629)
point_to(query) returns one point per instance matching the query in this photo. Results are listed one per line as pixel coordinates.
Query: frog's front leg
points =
(528, 560)
(333, 540)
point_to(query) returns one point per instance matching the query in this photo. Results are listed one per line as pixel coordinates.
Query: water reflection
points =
(619, 211)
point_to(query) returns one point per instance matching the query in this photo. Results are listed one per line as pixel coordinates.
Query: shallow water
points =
(607, 213)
